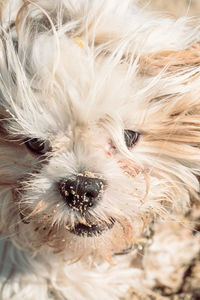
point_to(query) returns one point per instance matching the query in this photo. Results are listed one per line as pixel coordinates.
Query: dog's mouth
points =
(91, 229)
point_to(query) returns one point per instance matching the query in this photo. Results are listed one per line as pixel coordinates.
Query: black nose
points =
(82, 193)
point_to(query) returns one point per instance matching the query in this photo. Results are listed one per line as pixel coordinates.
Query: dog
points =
(99, 152)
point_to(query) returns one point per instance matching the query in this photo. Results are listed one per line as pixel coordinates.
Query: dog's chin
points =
(92, 230)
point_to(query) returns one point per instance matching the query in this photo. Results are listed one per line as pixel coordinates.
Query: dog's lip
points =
(92, 229)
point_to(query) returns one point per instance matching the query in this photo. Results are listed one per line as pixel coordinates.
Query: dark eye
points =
(131, 137)
(37, 146)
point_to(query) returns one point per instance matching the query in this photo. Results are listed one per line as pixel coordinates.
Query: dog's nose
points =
(83, 192)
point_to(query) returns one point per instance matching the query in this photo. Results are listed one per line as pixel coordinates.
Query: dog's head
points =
(96, 139)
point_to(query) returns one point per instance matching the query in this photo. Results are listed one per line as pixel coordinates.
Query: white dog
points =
(100, 136)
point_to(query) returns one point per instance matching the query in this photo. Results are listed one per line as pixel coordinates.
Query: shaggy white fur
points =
(100, 117)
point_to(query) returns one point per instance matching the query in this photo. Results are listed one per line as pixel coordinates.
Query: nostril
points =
(91, 191)
(91, 194)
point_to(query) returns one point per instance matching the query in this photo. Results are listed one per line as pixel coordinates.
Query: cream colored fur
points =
(77, 74)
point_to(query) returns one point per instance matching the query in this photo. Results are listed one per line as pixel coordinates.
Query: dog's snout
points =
(82, 192)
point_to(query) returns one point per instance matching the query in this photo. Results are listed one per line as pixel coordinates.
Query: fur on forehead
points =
(41, 85)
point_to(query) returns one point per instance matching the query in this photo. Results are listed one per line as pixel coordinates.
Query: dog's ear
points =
(172, 60)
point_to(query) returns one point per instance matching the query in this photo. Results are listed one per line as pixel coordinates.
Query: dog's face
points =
(92, 148)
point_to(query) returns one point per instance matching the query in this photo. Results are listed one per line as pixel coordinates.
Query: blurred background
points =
(174, 7)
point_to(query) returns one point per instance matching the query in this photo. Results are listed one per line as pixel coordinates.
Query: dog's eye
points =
(131, 137)
(37, 146)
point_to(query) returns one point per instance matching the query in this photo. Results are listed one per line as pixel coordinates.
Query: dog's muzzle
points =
(82, 192)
